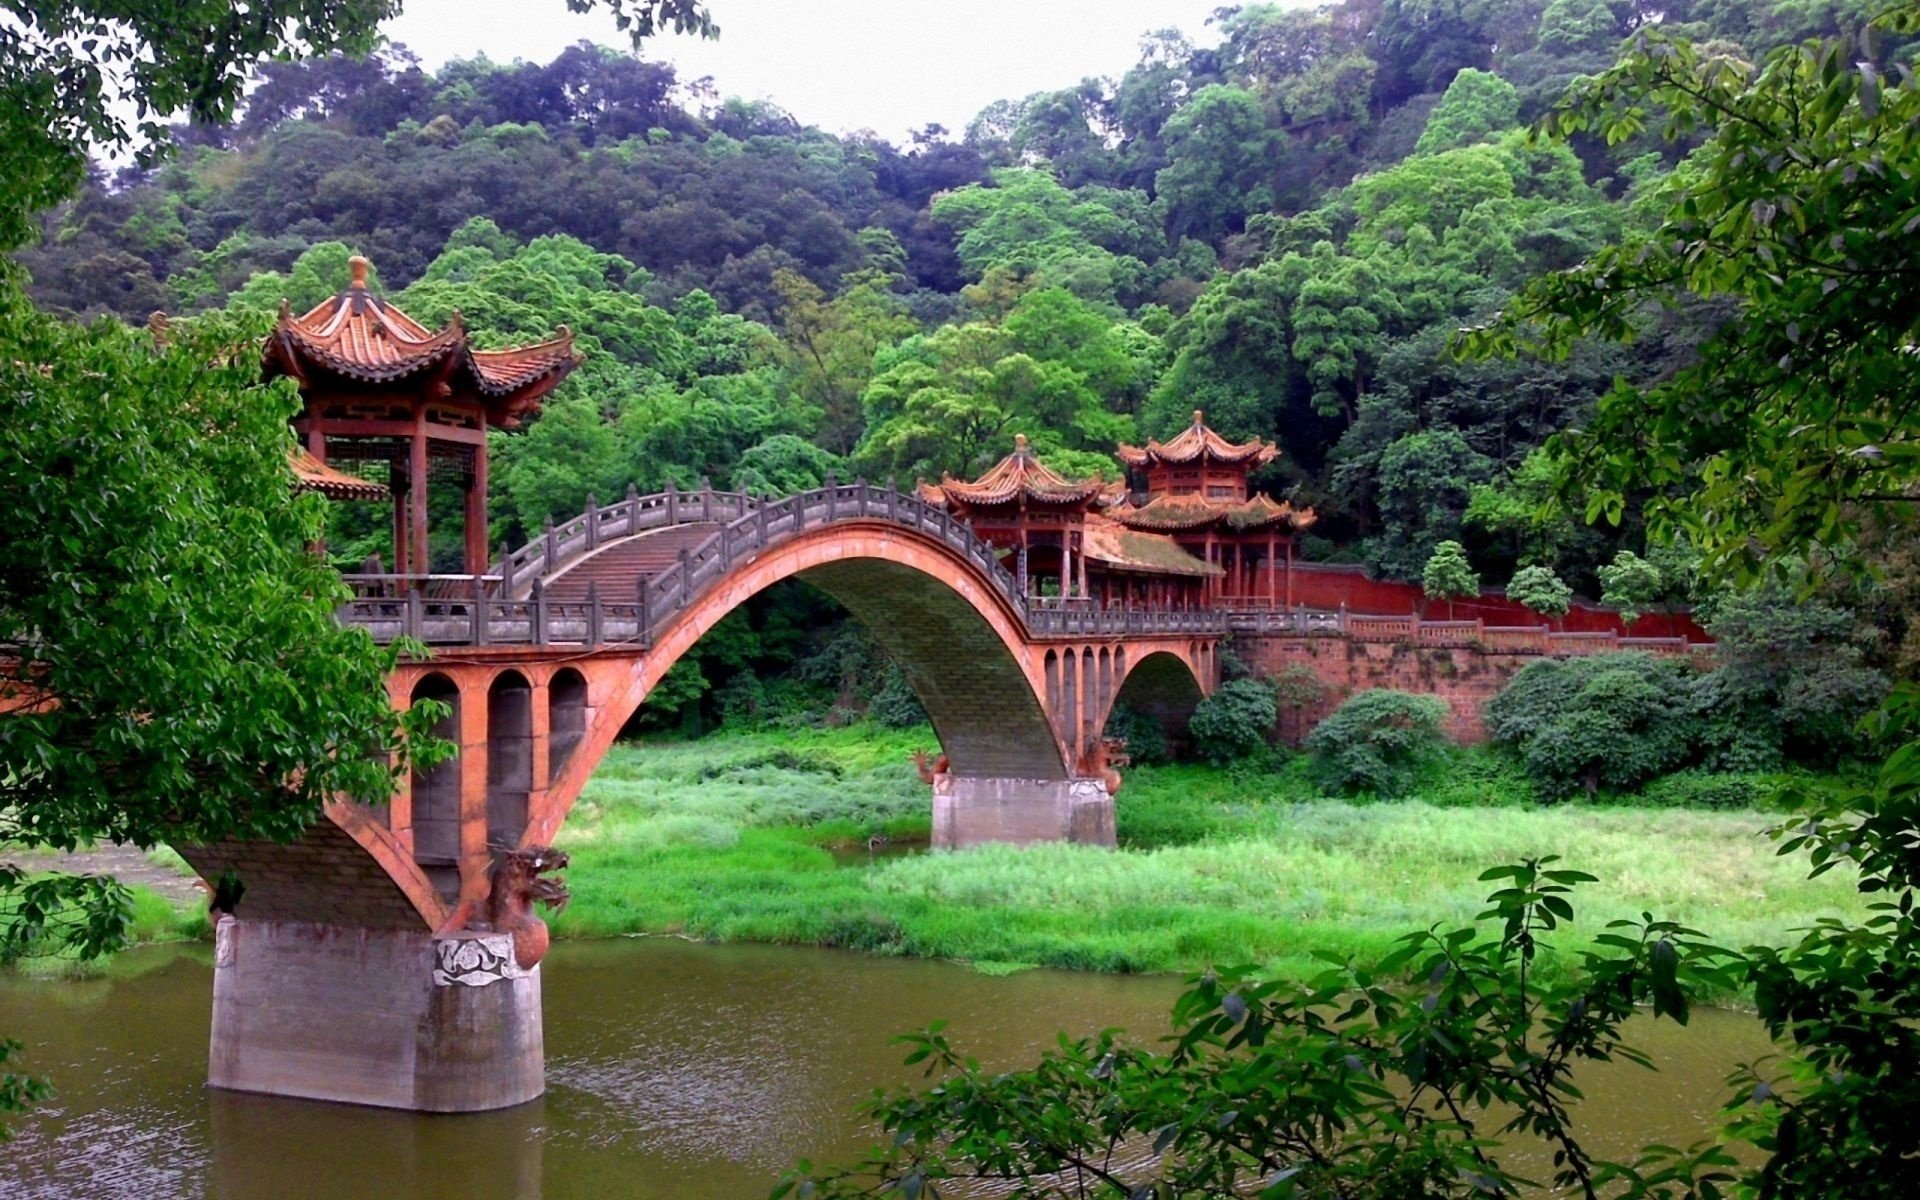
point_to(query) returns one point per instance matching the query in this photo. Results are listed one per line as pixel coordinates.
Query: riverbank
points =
(765, 837)
(817, 837)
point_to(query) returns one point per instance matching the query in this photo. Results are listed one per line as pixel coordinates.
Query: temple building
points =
(390, 406)
(1185, 531)
(1194, 489)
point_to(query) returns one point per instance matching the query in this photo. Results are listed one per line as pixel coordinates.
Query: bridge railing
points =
(1415, 629)
(560, 546)
(497, 608)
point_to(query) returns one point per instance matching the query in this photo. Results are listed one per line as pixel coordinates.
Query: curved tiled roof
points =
(360, 336)
(1130, 550)
(1021, 476)
(1179, 513)
(312, 475)
(1197, 441)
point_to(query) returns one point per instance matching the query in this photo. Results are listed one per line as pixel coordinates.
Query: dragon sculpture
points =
(517, 885)
(930, 770)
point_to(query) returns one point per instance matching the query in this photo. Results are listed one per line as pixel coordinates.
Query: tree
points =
(1345, 1087)
(1604, 721)
(1538, 589)
(76, 73)
(1235, 721)
(1631, 584)
(1377, 742)
(1792, 428)
(1449, 576)
(1477, 105)
(173, 667)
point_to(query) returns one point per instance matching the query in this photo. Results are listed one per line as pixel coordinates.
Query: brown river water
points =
(673, 1070)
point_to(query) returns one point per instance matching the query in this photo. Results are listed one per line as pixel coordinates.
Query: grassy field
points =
(762, 837)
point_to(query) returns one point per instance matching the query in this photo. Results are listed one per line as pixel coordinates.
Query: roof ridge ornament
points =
(358, 267)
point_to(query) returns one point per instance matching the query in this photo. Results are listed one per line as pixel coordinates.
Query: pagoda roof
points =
(1197, 441)
(1022, 478)
(1123, 549)
(312, 475)
(358, 335)
(1182, 513)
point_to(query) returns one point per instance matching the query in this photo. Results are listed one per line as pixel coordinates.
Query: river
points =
(673, 1070)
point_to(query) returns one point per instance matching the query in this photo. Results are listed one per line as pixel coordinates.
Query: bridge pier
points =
(396, 1018)
(972, 810)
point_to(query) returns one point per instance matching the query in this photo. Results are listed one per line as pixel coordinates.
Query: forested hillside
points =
(1281, 227)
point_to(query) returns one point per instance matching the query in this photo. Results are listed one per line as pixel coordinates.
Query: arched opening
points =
(509, 758)
(1160, 691)
(436, 791)
(566, 718)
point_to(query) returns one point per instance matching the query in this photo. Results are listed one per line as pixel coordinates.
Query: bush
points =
(1146, 738)
(1711, 789)
(1234, 721)
(895, 705)
(1377, 742)
(1610, 721)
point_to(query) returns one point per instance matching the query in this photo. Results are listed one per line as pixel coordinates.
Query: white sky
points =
(886, 65)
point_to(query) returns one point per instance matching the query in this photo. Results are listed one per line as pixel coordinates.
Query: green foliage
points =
(1789, 681)
(1377, 743)
(1448, 575)
(1610, 721)
(1539, 590)
(1317, 1089)
(1145, 736)
(1631, 584)
(1234, 722)
(1477, 105)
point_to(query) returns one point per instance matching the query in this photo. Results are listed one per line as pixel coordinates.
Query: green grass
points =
(746, 837)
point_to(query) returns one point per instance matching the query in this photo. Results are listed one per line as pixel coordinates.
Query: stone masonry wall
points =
(1464, 676)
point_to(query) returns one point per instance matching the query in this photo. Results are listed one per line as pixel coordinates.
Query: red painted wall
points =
(1325, 585)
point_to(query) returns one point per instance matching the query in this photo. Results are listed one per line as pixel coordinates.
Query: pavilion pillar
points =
(1066, 564)
(421, 563)
(401, 522)
(1270, 570)
(477, 513)
(1289, 572)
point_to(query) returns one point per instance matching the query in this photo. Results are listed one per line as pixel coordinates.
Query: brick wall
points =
(1464, 676)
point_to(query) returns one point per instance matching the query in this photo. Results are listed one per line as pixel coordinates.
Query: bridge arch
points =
(1163, 684)
(959, 644)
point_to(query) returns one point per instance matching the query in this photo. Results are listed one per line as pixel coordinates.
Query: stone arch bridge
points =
(359, 965)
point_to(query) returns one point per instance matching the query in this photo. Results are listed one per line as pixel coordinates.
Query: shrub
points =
(1539, 590)
(1607, 721)
(895, 705)
(1234, 721)
(1377, 742)
(1711, 789)
(1449, 576)
(1146, 738)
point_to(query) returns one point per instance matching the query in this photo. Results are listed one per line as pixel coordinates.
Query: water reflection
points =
(674, 1070)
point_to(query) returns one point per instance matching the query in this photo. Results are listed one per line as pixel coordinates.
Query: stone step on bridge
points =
(369, 961)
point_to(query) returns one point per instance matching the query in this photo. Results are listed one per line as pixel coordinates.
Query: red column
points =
(417, 517)
(477, 513)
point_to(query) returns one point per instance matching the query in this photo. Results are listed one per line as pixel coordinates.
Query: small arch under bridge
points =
(542, 661)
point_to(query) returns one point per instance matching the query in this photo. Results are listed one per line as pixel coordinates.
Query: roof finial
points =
(358, 265)
(1019, 443)
(1199, 417)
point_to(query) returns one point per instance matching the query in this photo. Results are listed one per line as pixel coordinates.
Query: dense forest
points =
(1282, 228)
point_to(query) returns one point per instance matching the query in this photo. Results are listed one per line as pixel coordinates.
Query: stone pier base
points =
(970, 810)
(386, 1017)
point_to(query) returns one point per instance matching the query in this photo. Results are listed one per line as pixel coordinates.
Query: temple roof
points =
(1126, 549)
(1197, 441)
(1019, 477)
(312, 475)
(360, 336)
(1181, 513)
